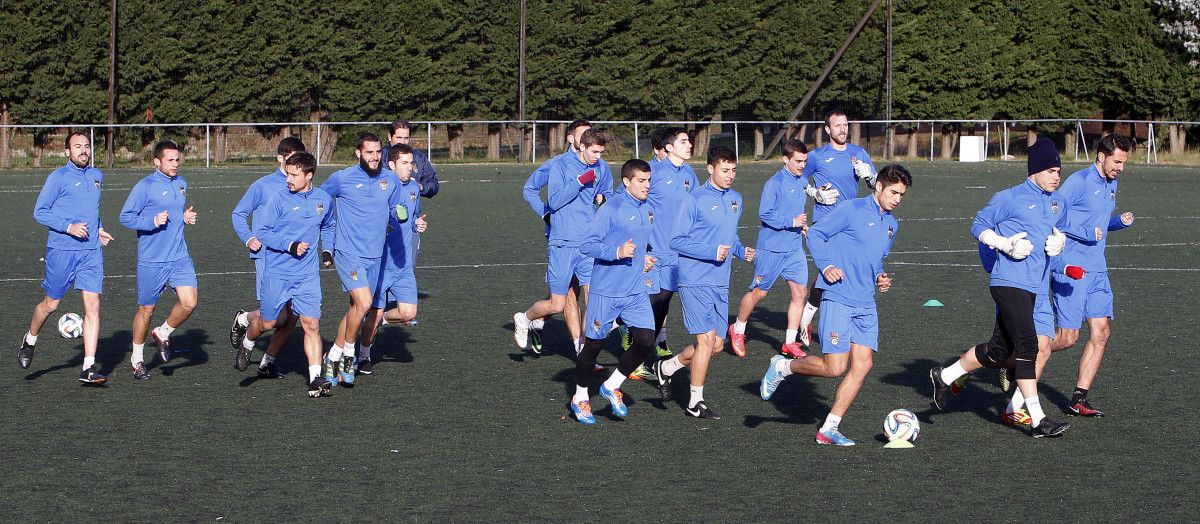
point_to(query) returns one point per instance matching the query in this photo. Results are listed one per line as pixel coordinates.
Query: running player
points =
(849, 246)
(671, 184)
(400, 132)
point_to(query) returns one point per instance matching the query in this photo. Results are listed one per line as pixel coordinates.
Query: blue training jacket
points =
(856, 238)
(572, 205)
(248, 207)
(670, 187)
(827, 165)
(363, 204)
(625, 218)
(400, 249)
(1090, 200)
(532, 191)
(70, 195)
(782, 201)
(295, 217)
(706, 220)
(150, 196)
(1022, 208)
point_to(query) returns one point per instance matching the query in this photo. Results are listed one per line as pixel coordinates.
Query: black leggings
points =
(660, 304)
(643, 340)
(1014, 335)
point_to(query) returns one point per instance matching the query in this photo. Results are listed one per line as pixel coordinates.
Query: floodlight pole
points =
(812, 90)
(112, 80)
(521, 97)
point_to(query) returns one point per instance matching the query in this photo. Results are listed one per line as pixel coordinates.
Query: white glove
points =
(1015, 246)
(1055, 243)
(864, 171)
(826, 196)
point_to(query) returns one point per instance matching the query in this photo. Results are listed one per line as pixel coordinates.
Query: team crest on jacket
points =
(183, 190)
(412, 196)
(834, 338)
(320, 208)
(1054, 206)
(687, 186)
(97, 182)
(891, 232)
(383, 185)
(1112, 195)
(650, 216)
(734, 206)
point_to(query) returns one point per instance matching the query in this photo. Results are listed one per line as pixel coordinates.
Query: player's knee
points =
(188, 304)
(836, 368)
(269, 324)
(49, 305)
(310, 325)
(1069, 338)
(557, 304)
(145, 311)
(642, 337)
(1101, 333)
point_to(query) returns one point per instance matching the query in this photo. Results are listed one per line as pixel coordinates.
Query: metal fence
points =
(226, 144)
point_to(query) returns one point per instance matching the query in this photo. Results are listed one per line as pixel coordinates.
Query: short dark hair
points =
(671, 132)
(632, 167)
(303, 160)
(658, 137)
(366, 137)
(162, 146)
(73, 134)
(397, 150)
(576, 124)
(290, 145)
(834, 112)
(593, 137)
(794, 146)
(398, 124)
(718, 153)
(893, 173)
(1110, 143)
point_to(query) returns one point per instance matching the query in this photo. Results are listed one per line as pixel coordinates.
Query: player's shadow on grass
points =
(75, 362)
(187, 350)
(391, 344)
(765, 326)
(291, 359)
(796, 400)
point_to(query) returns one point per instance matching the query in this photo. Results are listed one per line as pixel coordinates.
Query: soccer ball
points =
(70, 326)
(901, 424)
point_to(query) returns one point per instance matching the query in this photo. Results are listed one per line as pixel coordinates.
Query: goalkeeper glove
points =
(1055, 243)
(1015, 246)
(826, 195)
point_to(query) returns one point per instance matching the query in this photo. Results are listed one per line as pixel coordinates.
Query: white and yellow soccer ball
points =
(70, 325)
(901, 424)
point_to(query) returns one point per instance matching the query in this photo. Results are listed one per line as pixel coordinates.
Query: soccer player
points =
(780, 249)
(705, 238)
(1089, 197)
(833, 170)
(366, 195)
(658, 144)
(1021, 223)
(396, 277)
(617, 240)
(400, 132)
(576, 184)
(671, 185)
(157, 209)
(289, 227)
(244, 215)
(849, 247)
(69, 207)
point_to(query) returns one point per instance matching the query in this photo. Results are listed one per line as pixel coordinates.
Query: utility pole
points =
(525, 146)
(112, 80)
(891, 129)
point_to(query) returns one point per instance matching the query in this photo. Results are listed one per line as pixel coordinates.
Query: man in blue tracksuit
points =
(780, 249)
(671, 185)
(1089, 197)
(244, 215)
(848, 247)
(705, 238)
(833, 171)
(400, 132)
(157, 209)
(288, 228)
(1021, 223)
(576, 184)
(69, 207)
(532, 193)
(618, 241)
(397, 280)
(365, 197)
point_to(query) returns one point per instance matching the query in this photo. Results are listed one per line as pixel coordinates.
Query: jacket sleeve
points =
(683, 238)
(427, 176)
(267, 230)
(43, 211)
(134, 214)
(242, 211)
(593, 244)
(562, 187)
(767, 209)
(532, 192)
(821, 234)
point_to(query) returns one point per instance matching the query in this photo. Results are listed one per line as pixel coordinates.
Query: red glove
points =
(587, 177)
(1075, 272)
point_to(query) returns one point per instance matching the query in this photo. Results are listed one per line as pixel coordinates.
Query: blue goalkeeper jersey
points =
(827, 165)
(246, 211)
(288, 218)
(152, 195)
(572, 205)
(705, 221)
(362, 205)
(625, 218)
(670, 187)
(782, 201)
(856, 238)
(401, 246)
(70, 195)
(1022, 208)
(1089, 199)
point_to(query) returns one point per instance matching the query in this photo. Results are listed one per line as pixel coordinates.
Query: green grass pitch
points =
(457, 424)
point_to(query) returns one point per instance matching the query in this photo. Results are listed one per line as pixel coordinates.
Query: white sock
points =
(335, 353)
(697, 396)
(614, 327)
(614, 381)
(137, 357)
(364, 352)
(538, 324)
(784, 367)
(831, 422)
(88, 362)
(952, 372)
(165, 330)
(248, 344)
(31, 339)
(243, 319)
(1034, 407)
(790, 336)
(578, 345)
(810, 311)
(739, 327)
(523, 318)
(314, 371)
(1015, 402)
(581, 395)
(266, 360)
(671, 366)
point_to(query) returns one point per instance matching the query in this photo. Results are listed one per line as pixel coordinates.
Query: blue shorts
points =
(770, 265)
(153, 277)
(602, 311)
(705, 308)
(1075, 300)
(664, 278)
(303, 293)
(357, 272)
(258, 278)
(1043, 316)
(84, 268)
(396, 284)
(563, 263)
(842, 325)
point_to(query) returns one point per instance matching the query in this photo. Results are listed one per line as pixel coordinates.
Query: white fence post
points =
(533, 145)
(318, 133)
(637, 151)
(92, 140)
(207, 146)
(429, 141)
(737, 151)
